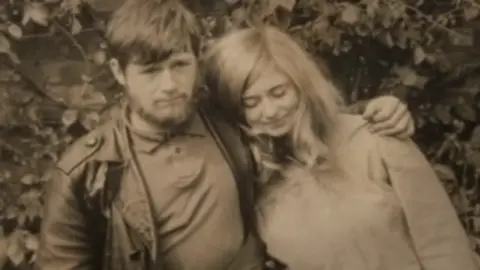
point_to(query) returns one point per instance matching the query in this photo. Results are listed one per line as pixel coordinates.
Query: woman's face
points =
(270, 104)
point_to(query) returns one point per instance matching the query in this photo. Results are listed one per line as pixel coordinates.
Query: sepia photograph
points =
(240, 135)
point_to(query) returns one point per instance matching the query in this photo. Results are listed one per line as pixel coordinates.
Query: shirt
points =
(194, 197)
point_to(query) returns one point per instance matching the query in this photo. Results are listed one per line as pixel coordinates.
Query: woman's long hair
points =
(236, 60)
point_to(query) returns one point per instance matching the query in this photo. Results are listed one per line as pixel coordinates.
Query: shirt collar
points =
(150, 141)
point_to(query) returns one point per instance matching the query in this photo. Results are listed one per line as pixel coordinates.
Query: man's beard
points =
(166, 122)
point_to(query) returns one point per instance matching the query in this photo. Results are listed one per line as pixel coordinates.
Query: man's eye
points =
(150, 69)
(250, 102)
(180, 64)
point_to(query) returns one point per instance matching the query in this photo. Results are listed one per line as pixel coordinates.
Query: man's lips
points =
(166, 102)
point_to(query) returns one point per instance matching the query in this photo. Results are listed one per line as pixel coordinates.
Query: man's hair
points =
(149, 31)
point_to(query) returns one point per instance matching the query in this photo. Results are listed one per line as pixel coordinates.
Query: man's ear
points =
(117, 71)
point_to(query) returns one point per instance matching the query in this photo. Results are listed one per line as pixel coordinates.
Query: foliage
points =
(421, 51)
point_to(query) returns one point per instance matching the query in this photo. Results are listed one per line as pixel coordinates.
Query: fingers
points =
(398, 121)
(402, 129)
(371, 109)
(382, 109)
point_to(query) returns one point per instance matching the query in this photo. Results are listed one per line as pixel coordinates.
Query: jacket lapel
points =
(125, 189)
(236, 153)
(133, 203)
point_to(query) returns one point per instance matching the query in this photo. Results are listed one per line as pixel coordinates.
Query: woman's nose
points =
(269, 110)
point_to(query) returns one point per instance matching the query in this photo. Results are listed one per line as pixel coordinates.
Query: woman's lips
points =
(276, 123)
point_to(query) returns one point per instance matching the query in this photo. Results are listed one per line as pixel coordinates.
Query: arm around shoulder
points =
(437, 234)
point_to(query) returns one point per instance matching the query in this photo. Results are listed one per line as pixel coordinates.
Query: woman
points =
(332, 194)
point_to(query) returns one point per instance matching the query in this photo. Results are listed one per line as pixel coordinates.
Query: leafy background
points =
(55, 84)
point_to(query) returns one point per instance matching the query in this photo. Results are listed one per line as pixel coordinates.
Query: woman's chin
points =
(277, 132)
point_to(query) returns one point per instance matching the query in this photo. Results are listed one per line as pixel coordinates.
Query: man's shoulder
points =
(88, 147)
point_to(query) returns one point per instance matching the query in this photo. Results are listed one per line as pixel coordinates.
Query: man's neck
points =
(142, 125)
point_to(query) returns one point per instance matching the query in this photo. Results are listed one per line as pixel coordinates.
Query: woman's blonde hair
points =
(235, 60)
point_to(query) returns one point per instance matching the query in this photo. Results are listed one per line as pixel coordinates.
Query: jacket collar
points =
(123, 185)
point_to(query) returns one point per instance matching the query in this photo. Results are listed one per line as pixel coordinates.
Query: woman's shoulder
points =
(352, 134)
(352, 129)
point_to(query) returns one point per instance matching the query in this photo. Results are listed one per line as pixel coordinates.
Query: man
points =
(167, 184)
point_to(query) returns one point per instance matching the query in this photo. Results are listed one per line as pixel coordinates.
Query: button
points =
(91, 142)
(270, 264)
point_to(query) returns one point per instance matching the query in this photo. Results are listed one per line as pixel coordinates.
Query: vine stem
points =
(76, 44)
(430, 20)
(47, 35)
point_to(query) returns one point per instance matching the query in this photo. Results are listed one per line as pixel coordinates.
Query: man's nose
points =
(166, 83)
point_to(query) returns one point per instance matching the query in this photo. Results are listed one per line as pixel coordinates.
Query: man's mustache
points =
(166, 100)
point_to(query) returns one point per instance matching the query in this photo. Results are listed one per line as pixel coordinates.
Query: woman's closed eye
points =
(278, 92)
(250, 102)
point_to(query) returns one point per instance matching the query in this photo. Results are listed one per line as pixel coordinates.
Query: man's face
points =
(162, 93)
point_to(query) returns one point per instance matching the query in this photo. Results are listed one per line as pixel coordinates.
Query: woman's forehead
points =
(267, 79)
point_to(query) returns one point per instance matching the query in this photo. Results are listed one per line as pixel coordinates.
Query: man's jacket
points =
(97, 211)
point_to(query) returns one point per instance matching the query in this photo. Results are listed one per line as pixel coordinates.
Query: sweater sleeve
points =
(439, 239)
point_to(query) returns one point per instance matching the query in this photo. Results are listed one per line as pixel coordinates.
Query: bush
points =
(55, 84)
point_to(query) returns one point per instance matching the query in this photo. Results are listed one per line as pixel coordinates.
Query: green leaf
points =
(443, 114)
(36, 12)
(69, 117)
(15, 31)
(462, 38)
(409, 77)
(371, 7)
(99, 57)
(418, 55)
(99, 5)
(31, 242)
(350, 14)
(76, 26)
(475, 137)
(386, 39)
(473, 156)
(16, 250)
(29, 179)
(5, 47)
(471, 12)
(444, 172)
(465, 110)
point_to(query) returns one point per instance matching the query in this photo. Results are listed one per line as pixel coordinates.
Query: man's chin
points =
(173, 119)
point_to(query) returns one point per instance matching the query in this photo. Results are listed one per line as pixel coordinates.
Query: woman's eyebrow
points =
(275, 87)
(270, 88)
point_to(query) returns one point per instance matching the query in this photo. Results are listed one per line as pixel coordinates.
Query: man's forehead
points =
(159, 57)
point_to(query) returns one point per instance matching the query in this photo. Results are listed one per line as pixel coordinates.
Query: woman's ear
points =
(117, 71)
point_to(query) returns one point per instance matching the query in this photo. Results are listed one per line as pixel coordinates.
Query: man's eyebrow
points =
(181, 56)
